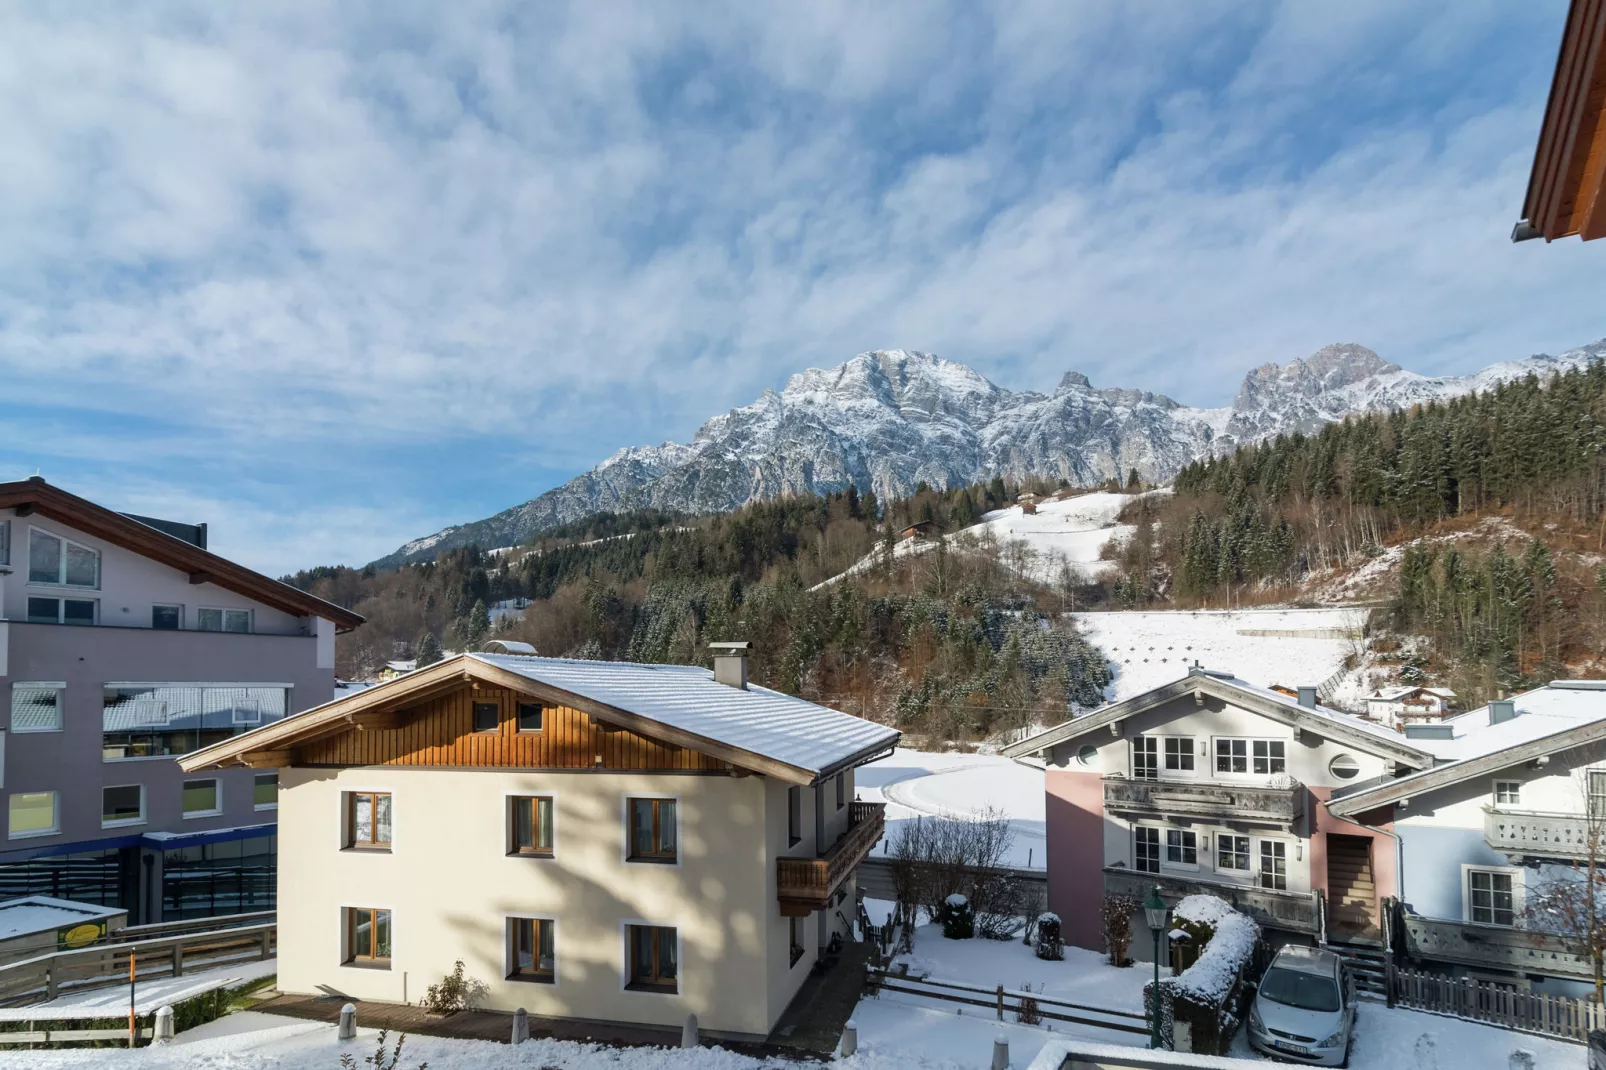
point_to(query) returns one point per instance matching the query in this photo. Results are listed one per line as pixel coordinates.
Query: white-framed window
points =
(1597, 793)
(5, 543)
(33, 813)
(1232, 852)
(1274, 865)
(201, 798)
(1260, 757)
(1493, 896)
(62, 610)
(1508, 793)
(1145, 758)
(223, 620)
(61, 562)
(1146, 849)
(122, 804)
(36, 707)
(167, 618)
(1178, 754)
(265, 791)
(1181, 847)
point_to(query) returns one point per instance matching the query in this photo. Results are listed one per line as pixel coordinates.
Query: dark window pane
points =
(121, 803)
(529, 717)
(641, 824)
(165, 618)
(382, 934)
(666, 827)
(486, 715)
(44, 610)
(77, 611)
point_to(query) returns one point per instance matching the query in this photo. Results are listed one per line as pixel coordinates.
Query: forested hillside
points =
(1493, 503)
(952, 644)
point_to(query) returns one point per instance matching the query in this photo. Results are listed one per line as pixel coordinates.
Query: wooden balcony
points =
(1537, 835)
(805, 885)
(1494, 947)
(1216, 801)
(1298, 912)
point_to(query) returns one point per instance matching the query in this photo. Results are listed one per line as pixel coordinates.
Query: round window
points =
(1344, 767)
(1087, 754)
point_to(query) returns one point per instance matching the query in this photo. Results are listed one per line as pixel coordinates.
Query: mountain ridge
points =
(887, 420)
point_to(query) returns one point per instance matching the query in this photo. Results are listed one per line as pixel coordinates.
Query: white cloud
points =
(300, 235)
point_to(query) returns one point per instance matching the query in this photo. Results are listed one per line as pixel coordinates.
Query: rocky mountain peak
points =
(889, 419)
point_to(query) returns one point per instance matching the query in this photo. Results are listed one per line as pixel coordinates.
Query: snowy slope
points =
(1263, 646)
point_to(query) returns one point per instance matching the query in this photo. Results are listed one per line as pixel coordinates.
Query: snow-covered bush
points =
(958, 921)
(455, 992)
(1115, 915)
(1208, 995)
(1050, 942)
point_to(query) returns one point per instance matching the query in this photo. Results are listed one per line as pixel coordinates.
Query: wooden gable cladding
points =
(439, 731)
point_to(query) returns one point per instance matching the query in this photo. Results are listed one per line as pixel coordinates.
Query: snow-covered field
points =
(914, 783)
(1262, 646)
(1073, 531)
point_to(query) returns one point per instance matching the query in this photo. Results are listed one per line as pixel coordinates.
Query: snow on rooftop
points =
(1264, 646)
(764, 722)
(1541, 712)
(1360, 724)
(42, 914)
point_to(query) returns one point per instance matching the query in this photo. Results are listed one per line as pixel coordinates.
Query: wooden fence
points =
(71, 1036)
(1002, 1001)
(1502, 1005)
(44, 977)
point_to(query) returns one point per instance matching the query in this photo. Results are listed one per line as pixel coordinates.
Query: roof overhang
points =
(1395, 791)
(200, 565)
(271, 745)
(1212, 685)
(1565, 186)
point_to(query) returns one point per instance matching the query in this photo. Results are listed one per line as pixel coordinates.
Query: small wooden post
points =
(178, 958)
(1000, 1003)
(133, 958)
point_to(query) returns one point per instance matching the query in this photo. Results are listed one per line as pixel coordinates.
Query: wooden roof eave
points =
(1565, 195)
(200, 565)
(338, 716)
(1227, 692)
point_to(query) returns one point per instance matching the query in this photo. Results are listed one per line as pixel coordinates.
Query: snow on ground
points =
(112, 1000)
(1262, 646)
(1070, 531)
(955, 784)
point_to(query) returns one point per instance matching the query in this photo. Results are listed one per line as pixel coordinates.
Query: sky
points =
(330, 276)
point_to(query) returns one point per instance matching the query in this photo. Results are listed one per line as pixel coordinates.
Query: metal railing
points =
(44, 977)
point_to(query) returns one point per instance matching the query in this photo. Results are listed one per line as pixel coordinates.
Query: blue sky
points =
(332, 276)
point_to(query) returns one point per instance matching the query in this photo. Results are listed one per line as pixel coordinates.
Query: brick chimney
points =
(730, 663)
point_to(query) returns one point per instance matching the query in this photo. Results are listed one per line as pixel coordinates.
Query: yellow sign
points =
(80, 935)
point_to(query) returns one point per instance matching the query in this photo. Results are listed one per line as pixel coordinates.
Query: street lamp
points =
(1154, 912)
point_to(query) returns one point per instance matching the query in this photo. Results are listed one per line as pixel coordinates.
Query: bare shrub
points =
(936, 857)
(1115, 914)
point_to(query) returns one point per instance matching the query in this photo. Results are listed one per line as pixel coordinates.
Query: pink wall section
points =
(1074, 815)
(1324, 824)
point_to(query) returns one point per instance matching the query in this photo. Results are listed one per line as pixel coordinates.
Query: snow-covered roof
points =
(1320, 719)
(1399, 691)
(781, 727)
(1549, 718)
(43, 914)
(769, 732)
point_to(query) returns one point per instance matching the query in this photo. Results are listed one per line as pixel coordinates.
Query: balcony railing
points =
(1496, 946)
(805, 885)
(1298, 912)
(1537, 835)
(1204, 799)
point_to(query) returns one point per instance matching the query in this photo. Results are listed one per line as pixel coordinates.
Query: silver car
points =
(1304, 1008)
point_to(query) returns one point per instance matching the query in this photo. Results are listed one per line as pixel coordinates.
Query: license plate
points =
(1290, 1048)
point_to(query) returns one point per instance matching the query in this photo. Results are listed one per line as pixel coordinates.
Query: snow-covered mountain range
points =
(888, 420)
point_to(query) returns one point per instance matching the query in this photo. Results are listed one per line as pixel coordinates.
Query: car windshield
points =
(1306, 991)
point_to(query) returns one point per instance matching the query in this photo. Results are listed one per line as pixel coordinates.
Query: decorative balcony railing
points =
(1494, 946)
(1299, 912)
(1260, 804)
(1540, 835)
(805, 885)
